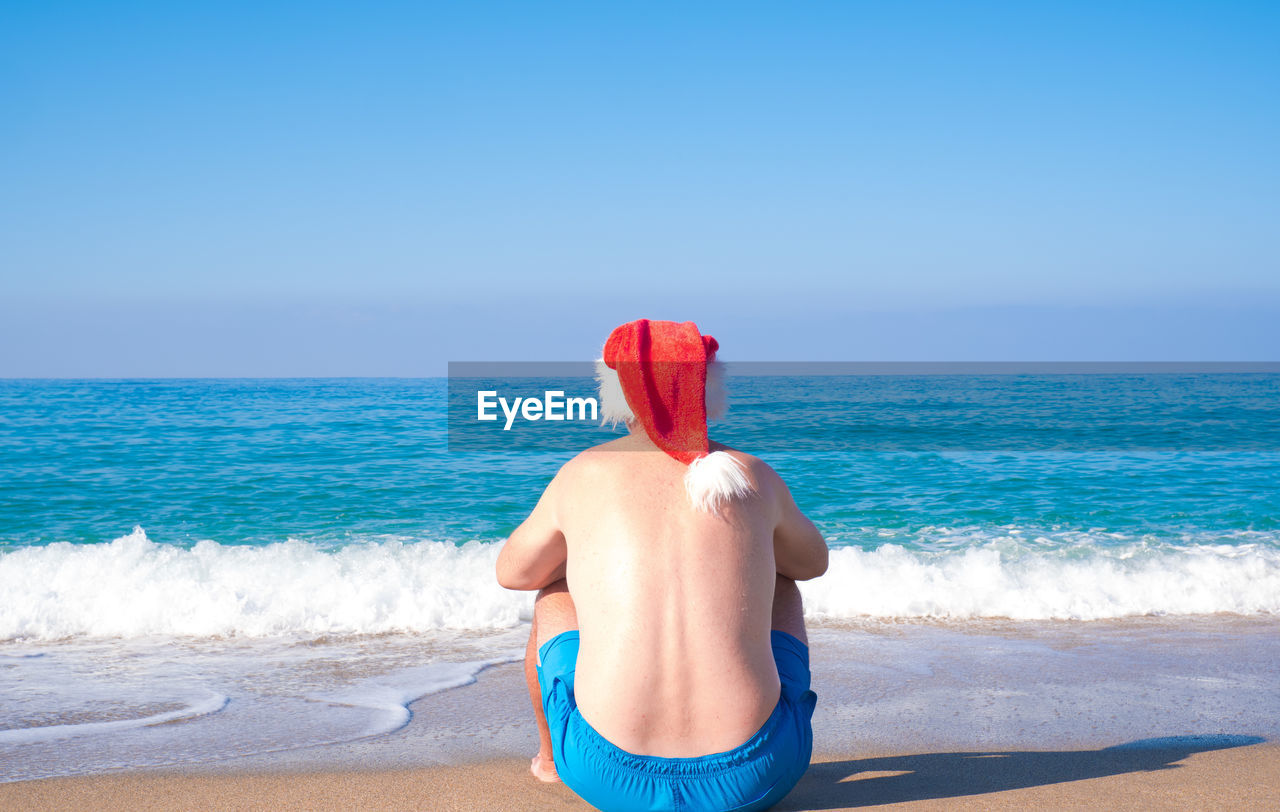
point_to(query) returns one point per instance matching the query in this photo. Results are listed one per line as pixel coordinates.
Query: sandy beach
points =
(1139, 714)
(1156, 778)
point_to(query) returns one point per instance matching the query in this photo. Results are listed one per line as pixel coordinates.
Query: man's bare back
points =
(674, 605)
(667, 662)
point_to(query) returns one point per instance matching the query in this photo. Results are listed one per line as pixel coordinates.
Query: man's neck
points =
(639, 439)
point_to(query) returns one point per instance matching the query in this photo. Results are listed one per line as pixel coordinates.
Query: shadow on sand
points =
(895, 779)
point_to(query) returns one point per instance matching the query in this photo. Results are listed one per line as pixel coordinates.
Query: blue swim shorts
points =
(755, 775)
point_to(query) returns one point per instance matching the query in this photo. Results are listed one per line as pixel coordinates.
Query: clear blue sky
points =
(375, 189)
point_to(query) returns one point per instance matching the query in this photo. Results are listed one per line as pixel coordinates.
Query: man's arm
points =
(535, 555)
(799, 551)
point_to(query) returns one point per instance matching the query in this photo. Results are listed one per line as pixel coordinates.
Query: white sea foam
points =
(86, 705)
(389, 696)
(1007, 578)
(27, 735)
(132, 587)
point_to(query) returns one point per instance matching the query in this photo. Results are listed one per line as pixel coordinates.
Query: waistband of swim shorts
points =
(679, 767)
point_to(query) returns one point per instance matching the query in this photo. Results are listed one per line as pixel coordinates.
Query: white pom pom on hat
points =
(715, 480)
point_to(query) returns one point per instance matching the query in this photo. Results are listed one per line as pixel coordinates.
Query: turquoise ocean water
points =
(200, 570)
(964, 495)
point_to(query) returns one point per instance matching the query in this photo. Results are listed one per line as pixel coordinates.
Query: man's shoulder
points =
(592, 459)
(595, 461)
(756, 467)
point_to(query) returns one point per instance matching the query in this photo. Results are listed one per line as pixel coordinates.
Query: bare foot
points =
(544, 770)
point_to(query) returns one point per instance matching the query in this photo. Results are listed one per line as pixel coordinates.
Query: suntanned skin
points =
(674, 605)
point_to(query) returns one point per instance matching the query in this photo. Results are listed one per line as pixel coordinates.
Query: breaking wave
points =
(133, 587)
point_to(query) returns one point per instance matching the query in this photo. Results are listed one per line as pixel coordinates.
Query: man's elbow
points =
(509, 578)
(807, 573)
(819, 570)
(812, 566)
(803, 570)
(506, 581)
(824, 560)
(525, 580)
(821, 555)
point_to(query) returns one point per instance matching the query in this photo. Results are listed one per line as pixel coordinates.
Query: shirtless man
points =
(668, 661)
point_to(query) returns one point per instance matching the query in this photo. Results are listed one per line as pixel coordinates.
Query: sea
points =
(204, 570)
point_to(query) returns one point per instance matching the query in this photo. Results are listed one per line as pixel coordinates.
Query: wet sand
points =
(1246, 777)
(1151, 714)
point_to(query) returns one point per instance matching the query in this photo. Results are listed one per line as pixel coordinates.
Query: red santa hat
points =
(655, 373)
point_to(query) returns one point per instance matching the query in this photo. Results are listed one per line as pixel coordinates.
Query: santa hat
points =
(655, 373)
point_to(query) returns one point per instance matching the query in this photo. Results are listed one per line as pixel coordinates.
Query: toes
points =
(544, 770)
